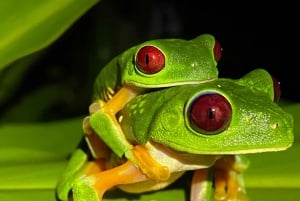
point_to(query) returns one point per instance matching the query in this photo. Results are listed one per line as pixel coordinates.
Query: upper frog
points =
(160, 63)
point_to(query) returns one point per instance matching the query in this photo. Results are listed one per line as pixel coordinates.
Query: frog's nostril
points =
(275, 125)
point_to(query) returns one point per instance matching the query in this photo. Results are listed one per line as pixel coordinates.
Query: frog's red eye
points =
(277, 90)
(217, 50)
(210, 113)
(150, 60)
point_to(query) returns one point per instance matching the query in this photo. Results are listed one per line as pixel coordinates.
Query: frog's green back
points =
(185, 62)
(257, 123)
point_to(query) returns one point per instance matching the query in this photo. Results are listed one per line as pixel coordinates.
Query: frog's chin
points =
(242, 151)
(253, 151)
(179, 161)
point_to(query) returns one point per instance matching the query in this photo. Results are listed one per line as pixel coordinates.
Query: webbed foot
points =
(71, 172)
(92, 186)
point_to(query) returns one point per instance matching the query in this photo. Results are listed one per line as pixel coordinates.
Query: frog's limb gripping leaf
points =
(228, 180)
(75, 165)
(83, 190)
(96, 184)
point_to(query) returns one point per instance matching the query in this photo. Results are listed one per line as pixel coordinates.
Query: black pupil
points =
(147, 59)
(211, 113)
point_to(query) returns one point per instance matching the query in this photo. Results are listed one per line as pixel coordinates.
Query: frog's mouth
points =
(146, 87)
(233, 146)
(139, 88)
(233, 151)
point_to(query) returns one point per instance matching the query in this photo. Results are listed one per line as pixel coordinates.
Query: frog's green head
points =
(224, 116)
(170, 62)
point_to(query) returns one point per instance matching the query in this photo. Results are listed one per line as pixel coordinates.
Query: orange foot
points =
(93, 186)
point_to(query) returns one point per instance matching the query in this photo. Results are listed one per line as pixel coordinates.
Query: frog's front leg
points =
(228, 179)
(113, 136)
(92, 185)
(221, 182)
(104, 123)
(117, 101)
(202, 187)
(110, 109)
(97, 147)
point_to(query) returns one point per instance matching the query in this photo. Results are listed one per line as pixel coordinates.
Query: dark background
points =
(251, 36)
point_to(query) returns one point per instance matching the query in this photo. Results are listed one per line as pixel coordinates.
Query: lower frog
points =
(206, 128)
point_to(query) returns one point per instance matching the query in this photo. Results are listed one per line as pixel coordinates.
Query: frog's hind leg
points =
(228, 178)
(96, 184)
(81, 163)
(75, 165)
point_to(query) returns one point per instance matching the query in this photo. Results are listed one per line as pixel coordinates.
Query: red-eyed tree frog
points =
(204, 128)
(153, 64)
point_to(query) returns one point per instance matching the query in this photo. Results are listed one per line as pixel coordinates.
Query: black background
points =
(252, 36)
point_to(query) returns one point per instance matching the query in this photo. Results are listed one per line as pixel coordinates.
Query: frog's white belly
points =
(178, 161)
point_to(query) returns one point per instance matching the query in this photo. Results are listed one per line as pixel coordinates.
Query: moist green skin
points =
(257, 125)
(186, 61)
(159, 121)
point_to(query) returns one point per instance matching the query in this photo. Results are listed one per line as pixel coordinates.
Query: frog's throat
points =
(179, 161)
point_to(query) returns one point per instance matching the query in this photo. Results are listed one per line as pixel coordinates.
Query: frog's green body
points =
(257, 122)
(157, 127)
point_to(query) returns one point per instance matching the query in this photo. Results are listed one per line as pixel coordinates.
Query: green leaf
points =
(274, 170)
(11, 78)
(28, 26)
(25, 143)
(294, 110)
(28, 195)
(31, 176)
